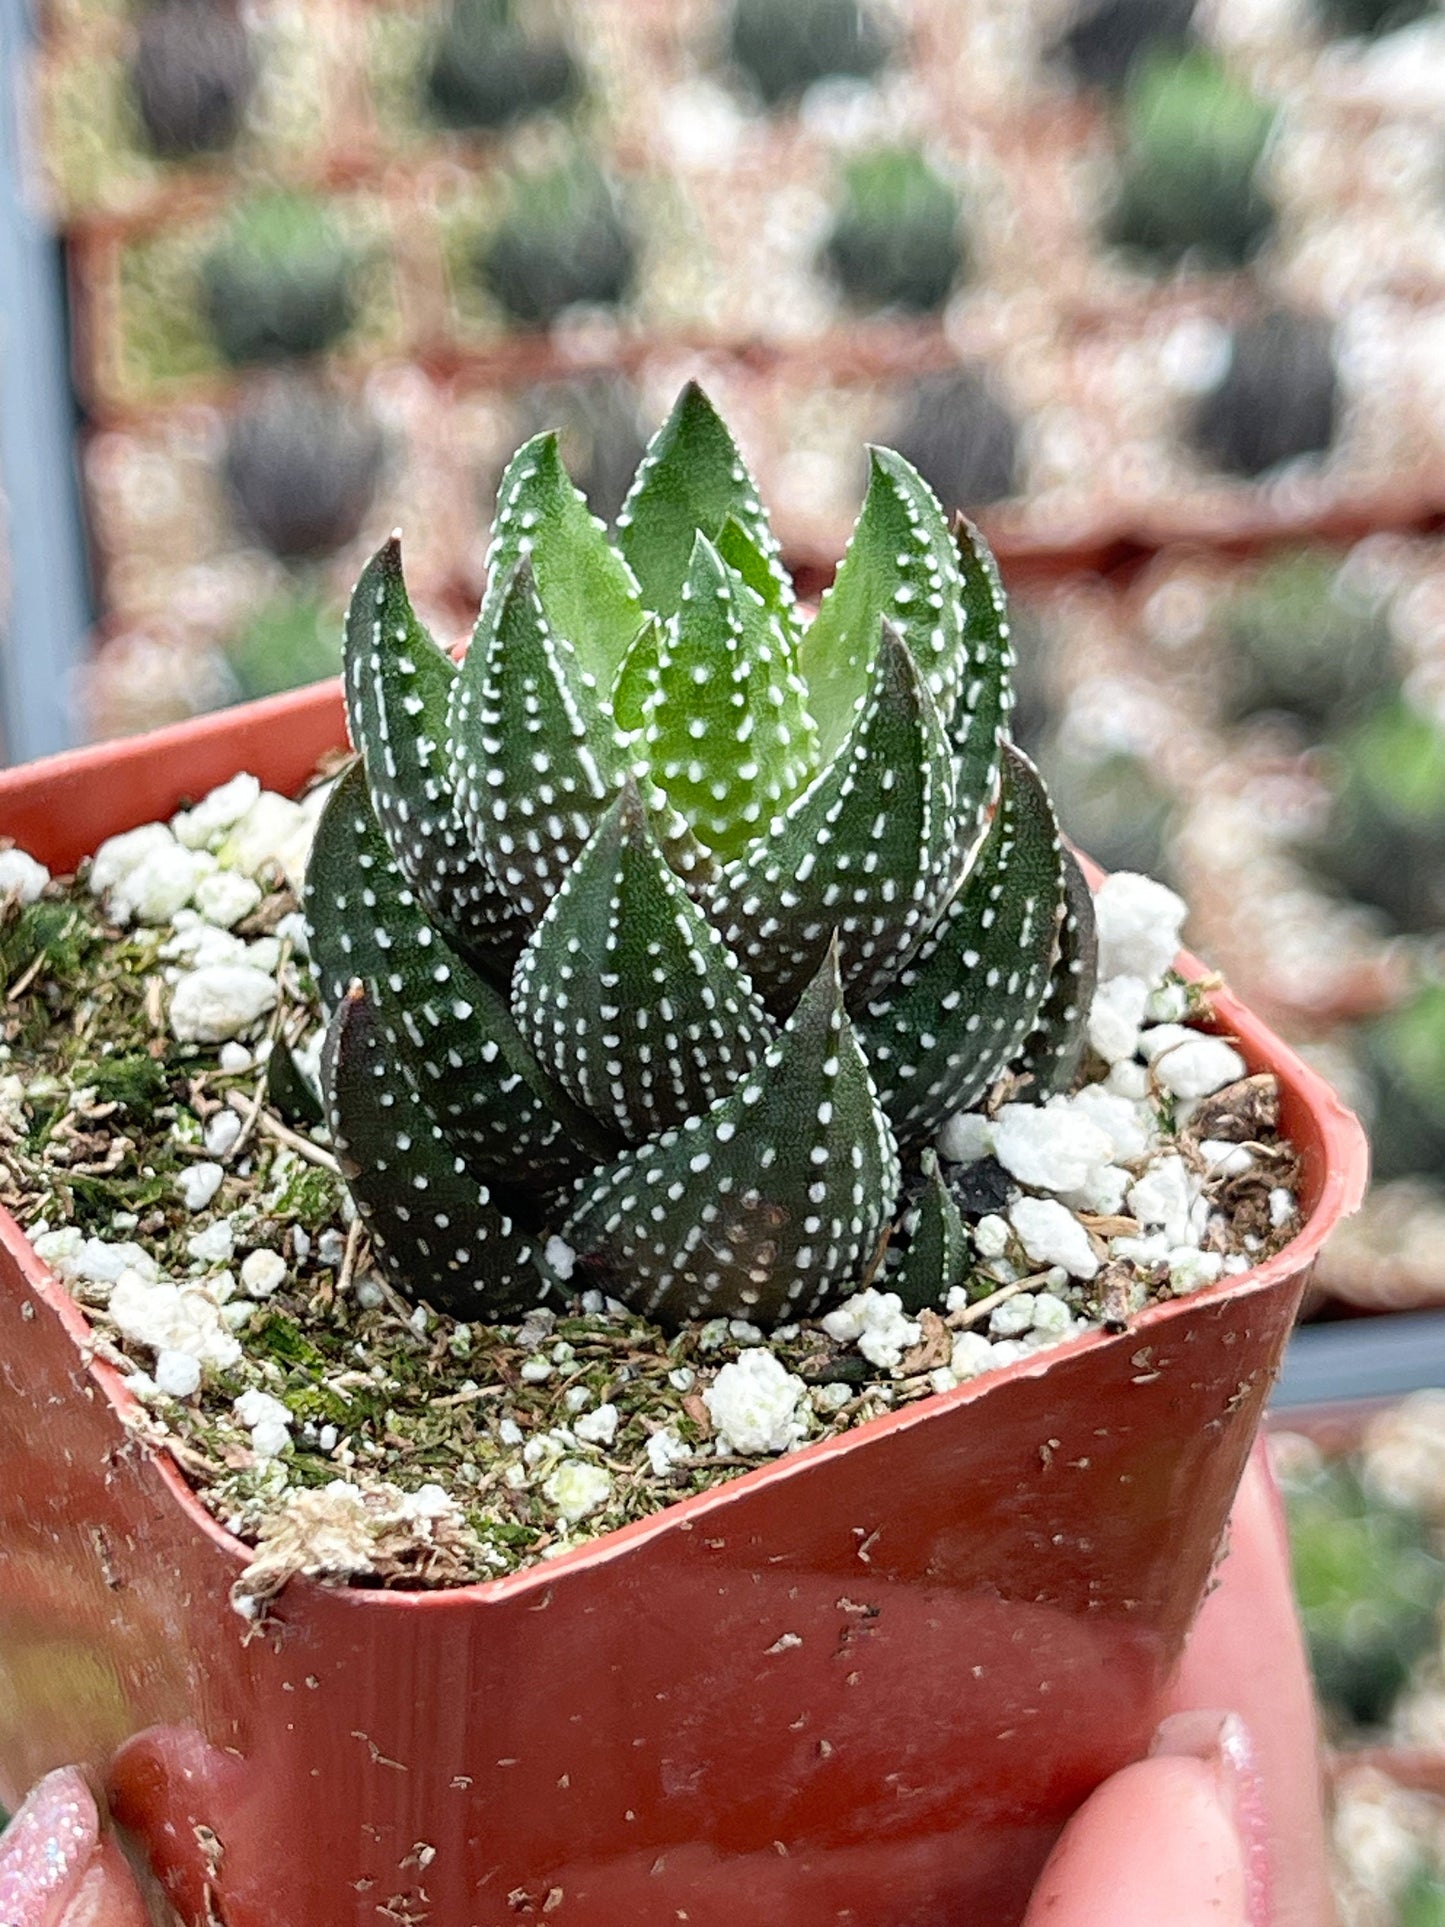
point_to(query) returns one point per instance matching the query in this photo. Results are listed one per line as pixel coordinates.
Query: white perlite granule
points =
(753, 1402)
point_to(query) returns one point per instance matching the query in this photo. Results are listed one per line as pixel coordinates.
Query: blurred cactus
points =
(565, 242)
(895, 242)
(784, 46)
(1404, 1059)
(596, 418)
(1385, 841)
(302, 466)
(1369, 1591)
(280, 281)
(960, 436)
(293, 639)
(1277, 400)
(1370, 19)
(486, 70)
(1306, 641)
(1106, 39)
(191, 76)
(1189, 174)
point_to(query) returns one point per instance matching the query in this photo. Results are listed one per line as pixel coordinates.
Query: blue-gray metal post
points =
(45, 611)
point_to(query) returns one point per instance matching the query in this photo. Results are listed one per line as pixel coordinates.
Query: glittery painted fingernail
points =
(46, 1848)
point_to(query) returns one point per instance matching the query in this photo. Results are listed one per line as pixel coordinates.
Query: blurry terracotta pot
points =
(862, 1686)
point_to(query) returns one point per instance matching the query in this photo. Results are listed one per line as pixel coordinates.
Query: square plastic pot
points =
(862, 1686)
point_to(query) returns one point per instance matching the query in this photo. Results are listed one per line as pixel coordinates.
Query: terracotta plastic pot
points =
(862, 1686)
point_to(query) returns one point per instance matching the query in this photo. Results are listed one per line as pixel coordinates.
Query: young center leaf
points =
(588, 591)
(538, 757)
(691, 478)
(724, 730)
(937, 1252)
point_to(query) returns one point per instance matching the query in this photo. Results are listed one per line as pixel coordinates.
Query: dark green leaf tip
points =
(764, 1206)
(398, 687)
(438, 1232)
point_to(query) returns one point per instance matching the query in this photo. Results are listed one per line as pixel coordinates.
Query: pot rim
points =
(1341, 1187)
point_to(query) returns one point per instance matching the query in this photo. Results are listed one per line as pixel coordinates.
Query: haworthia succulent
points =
(958, 1013)
(754, 1208)
(398, 690)
(435, 1227)
(866, 849)
(451, 1034)
(691, 478)
(662, 838)
(724, 729)
(937, 1251)
(587, 590)
(628, 993)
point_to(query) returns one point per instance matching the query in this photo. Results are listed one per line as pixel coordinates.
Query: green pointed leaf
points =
(1051, 1052)
(691, 477)
(766, 1205)
(762, 575)
(588, 591)
(538, 759)
(398, 687)
(724, 732)
(636, 677)
(866, 849)
(900, 564)
(439, 1233)
(289, 1091)
(960, 1011)
(627, 993)
(451, 1035)
(984, 703)
(937, 1252)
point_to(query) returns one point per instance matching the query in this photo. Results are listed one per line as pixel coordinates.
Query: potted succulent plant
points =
(658, 939)
(895, 242)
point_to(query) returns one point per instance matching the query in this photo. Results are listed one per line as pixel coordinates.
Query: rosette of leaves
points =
(1276, 400)
(565, 241)
(783, 47)
(895, 241)
(301, 467)
(1105, 39)
(1305, 639)
(672, 925)
(1369, 1589)
(280, 281)
(191, 76)
(487, 68)
(1189, 188)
